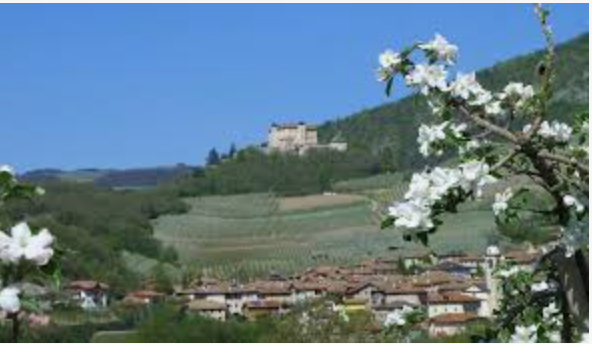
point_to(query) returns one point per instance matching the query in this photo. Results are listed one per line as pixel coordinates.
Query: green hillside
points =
(246, 236)
(395, 124)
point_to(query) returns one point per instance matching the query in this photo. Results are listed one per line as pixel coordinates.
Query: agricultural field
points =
(380, 181)
(144, 266)
(247, 236)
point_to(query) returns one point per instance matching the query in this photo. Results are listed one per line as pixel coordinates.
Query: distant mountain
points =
(112, 178)
(395, 125)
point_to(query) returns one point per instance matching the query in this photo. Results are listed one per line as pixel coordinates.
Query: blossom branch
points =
(480, 121)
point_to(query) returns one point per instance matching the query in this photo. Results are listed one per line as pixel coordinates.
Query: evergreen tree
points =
(213, 157)
(232, 151)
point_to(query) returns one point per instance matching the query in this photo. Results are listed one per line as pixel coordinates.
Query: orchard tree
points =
(26, 255)
(499, 136)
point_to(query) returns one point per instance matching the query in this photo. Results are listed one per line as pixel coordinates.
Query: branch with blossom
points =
(25, 254)
(485, 129)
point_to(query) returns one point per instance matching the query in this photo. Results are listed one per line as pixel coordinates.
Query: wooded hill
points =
(394, 125)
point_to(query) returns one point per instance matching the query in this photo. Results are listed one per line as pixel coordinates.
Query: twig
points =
(489, 126)
(504, 160)
(564, 160)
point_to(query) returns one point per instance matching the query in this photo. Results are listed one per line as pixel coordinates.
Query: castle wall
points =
(298, 138)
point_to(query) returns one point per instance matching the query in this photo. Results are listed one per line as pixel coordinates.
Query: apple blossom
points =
(427, 77)
(443, 180)
(506, 273)
(465, 86)
(397, 317)
(7, 169)
(9, 300)
(22, 244)
(412, 215)
(441, 49)
(550, 311)
(419, 187)
(428, 135)
(389, 59)
(540, 287)
(573, 202)
(556, 131)
(525, 334)
(501, 202)
(475, 176)
(493, 108)
(555, 337)
(517, 92)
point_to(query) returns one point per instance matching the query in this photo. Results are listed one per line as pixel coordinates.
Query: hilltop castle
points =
(298, 138)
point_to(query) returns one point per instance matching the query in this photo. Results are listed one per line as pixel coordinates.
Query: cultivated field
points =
(245, 236)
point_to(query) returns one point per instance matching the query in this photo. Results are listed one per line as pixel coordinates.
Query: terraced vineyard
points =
(245, 236)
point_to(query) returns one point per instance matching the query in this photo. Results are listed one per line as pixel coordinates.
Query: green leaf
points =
(389, 86)
(387, 222)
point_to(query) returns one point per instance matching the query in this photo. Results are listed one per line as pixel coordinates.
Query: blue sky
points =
(144, 85)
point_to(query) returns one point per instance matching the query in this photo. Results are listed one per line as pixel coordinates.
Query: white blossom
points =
(9, 300)
(443, 180)
(501, 202)
(475, 176)
(468, 88)
(7, 169)
(586, 338)
(465, 86)
(469, 146)
(441, 48)
(493, 108)
(506, 273)
(525, 334)
(550, 311)
(397, 317)
(573, 202)
(389, 59)
(427, 77)
(22, 244)
(518, 93)
(411, 215)
(419, 187)
(555, 337)
(482, 97)
(559, 132)
(540, 287)
(428, 135)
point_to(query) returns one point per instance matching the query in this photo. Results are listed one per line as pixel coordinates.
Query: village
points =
(453, 290)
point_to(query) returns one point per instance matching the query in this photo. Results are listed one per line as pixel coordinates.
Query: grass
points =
(113, 337)
(64, 317)
(248, 236)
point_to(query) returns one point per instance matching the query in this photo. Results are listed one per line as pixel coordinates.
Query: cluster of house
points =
(453, 290)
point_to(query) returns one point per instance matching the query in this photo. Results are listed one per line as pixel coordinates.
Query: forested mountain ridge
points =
(394, 125)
